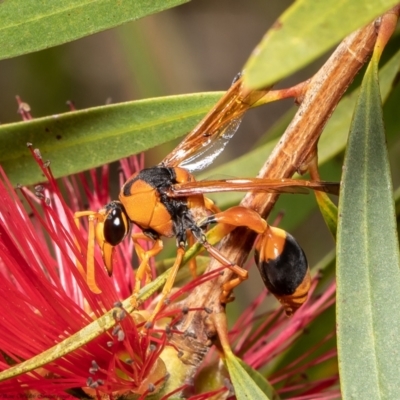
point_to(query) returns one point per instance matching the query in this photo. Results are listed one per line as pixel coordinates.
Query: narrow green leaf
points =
(28, 26)
(334, 137)
(261, 382)
(86, 334)
(184, 274)
(304, 32)
(328, 210)
(368, 274)
(246, 387)
(80, 140)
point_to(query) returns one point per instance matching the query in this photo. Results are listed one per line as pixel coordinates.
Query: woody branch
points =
(318, 99)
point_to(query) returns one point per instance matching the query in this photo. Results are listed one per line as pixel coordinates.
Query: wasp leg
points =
(210, 205)
(192, 261)
(89, 275)
(236, 216)
(143, 271)
(283, 267)
(169, 283)
(226, 221)
(227, 287)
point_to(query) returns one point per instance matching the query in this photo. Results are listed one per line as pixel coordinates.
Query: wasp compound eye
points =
(116, 224)
(283, 267)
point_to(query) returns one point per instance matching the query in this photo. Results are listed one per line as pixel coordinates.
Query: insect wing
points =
(254, 184)
(209, 138)
(212, 148)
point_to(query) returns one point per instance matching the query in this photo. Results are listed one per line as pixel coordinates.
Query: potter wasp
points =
(167, 201)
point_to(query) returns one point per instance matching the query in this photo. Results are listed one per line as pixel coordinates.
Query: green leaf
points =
(328, 210)
(334, 137)
(246, 387)
(80, 140)
(28, 26)
(304, 32)
(368, 275)
(259, 379)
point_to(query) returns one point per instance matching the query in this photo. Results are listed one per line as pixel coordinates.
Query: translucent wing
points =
(209, 138)
(211, 148)
(253, 184)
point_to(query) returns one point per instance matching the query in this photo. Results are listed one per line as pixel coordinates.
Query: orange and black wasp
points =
(167, 201)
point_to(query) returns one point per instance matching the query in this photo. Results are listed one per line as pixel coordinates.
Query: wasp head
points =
(112, 227)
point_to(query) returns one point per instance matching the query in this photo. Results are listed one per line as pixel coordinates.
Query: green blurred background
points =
(197, 47)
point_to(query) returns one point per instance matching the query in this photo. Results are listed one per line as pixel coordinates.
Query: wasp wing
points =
(252, 184)
(212, 148)
(209, 138)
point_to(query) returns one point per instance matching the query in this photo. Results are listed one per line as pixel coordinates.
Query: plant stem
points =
(318, 99)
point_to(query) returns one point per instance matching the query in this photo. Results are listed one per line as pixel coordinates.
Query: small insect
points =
(167, 201)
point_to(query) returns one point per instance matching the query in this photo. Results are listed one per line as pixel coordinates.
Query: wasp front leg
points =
(212, 209)
(170, 282)
(144, 271)
(107, 227)
(89, 275)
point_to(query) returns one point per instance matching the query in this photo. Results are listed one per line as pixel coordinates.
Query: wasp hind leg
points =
(226, 221)
(241, 274)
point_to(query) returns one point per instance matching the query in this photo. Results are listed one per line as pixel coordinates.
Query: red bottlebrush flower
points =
(276, 334)
(44, 299)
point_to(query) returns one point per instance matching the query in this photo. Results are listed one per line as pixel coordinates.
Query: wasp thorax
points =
(116, 223)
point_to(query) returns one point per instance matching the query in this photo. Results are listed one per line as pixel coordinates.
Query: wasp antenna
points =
(77, 216)
(90, 272)
(89, 275)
